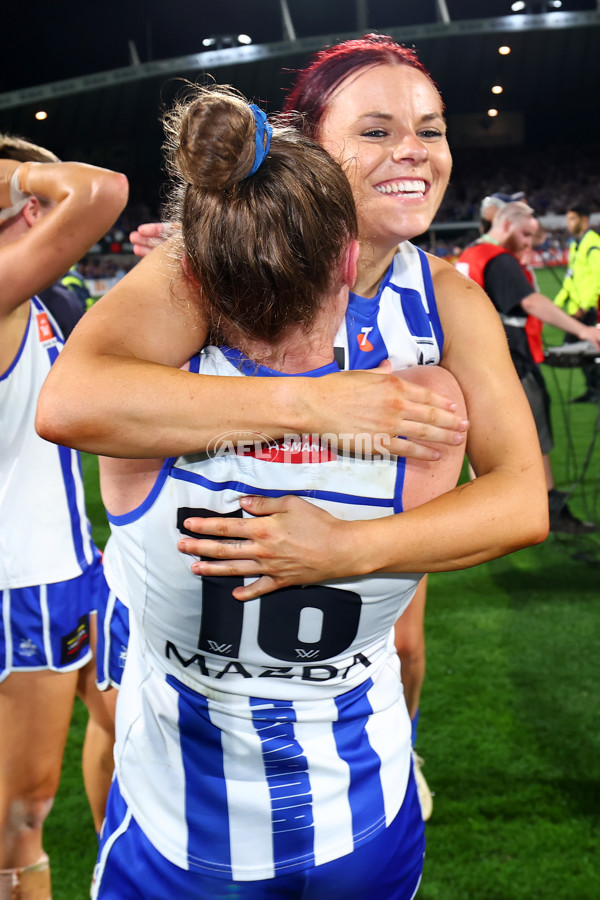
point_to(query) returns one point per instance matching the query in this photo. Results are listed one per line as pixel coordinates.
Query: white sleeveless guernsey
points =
(44, 532)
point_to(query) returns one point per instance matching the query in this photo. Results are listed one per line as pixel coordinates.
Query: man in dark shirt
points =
(492, 262)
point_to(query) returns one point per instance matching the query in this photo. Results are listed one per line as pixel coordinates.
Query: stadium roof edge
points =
(215, 59)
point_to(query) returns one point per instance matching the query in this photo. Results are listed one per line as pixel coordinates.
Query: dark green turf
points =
(509, 717)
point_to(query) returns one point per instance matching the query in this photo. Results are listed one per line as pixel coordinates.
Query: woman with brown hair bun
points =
(262, 749)
(256, 278)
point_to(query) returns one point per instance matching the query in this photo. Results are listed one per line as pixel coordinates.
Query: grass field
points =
(510, 710)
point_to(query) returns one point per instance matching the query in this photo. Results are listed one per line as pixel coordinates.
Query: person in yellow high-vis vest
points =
(580, 289)
(75, 282)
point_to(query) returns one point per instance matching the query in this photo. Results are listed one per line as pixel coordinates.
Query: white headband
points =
(18, 198)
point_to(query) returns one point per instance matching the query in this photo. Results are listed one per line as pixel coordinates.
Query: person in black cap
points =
(491, 204)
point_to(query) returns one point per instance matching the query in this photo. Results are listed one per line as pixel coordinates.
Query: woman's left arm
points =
(289, 541)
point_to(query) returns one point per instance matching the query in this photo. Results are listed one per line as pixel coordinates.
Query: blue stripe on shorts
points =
(113, 640)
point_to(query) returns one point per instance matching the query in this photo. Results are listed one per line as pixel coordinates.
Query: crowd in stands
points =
(550, 178)
(106, 266)
(110, 258)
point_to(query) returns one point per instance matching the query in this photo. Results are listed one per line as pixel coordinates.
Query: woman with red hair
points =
(379, 114)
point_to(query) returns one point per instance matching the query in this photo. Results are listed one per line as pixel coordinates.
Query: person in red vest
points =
(490, 206)
(492, 262)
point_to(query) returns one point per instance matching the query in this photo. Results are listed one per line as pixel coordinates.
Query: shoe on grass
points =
(425, 796)
(588, 397)
(563, 521)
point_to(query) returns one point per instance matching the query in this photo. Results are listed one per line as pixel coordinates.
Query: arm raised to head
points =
(67, 207)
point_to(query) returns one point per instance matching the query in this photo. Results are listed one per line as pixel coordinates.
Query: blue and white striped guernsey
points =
(265, 737)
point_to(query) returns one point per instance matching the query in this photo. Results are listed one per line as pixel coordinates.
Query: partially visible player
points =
(50, 571)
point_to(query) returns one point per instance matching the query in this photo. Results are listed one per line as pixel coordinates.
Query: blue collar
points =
(248, 367)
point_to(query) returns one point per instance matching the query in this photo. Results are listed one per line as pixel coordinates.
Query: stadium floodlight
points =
(41, 114)
(497, 89)
(504, 50)
(225, 41)
(555, 4)
(518, 6)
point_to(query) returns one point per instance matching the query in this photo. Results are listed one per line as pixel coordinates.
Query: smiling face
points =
(385, 125)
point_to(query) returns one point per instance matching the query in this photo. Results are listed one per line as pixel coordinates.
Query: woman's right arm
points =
(117, 389)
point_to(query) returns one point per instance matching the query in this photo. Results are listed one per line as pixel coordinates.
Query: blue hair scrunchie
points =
(262, 146)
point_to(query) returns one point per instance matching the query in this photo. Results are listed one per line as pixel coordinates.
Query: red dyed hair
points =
(316, 83)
